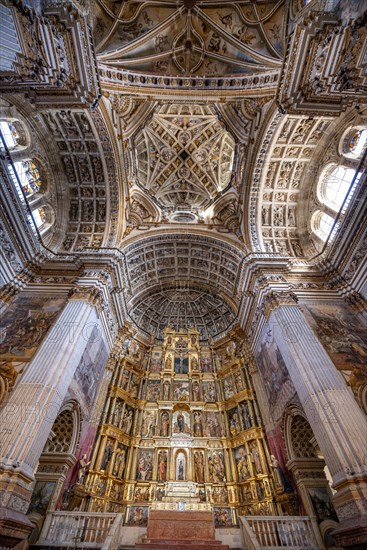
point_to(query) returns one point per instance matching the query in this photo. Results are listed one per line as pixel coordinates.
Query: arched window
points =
(29, 176)
(356, 143)
(9, 133)
(337, 186)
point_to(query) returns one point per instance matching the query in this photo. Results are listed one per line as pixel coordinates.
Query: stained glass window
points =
(9, 133)
(29, 176)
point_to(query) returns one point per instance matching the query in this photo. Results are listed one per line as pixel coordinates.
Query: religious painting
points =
(181, 422)
(142, 493)
(199, 466)
(216, 466)
(162, 465)
(116, 491)
(181, 391)
(234, 421)
(166, 390)
(117, 412)
(165, 424)
(197, 425)
(206, 363)
(90, 369)
(148, 427)
(156, 362)
(212, 425)
(274, 372)
(181, 364)
(138, 516)
(195, 388)
(223, 517)
(228, 388)
(125, 379)
(240, 456)
(144, 467)
(153, 390)
(180, 466)
(120, 460)
(209, 392)
(343, 336)
(25, 323)
(41, 497)
(219, 494)
(322, 504)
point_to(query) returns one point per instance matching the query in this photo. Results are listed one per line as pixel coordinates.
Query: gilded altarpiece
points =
(181, 429)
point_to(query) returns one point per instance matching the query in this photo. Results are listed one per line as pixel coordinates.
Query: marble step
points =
(156, 544)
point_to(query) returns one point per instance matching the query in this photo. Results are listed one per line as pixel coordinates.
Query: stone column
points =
(339, 425)
(28, 415)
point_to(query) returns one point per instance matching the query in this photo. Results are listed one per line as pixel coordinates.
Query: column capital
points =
(277, 299)
(357, 301)
(89, 294)
(8, 293)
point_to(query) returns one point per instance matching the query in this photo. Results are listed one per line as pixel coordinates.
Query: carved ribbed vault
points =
(184, 156)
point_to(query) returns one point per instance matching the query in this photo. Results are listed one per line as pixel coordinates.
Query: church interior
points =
(183, 274)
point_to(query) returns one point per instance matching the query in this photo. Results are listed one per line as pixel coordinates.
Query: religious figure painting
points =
(240, 455)
(25, 323)
(181, 391)
(322, 504)
(127, 420)
(153, 390)
(223, 517)
(90, 369)
(209, 392)
(343, 337)
(206, 363)
(156, 362)
(148, 428)
(212, 425)
(41, 497)
(107, 454)
(181, 364)
(138, 516)
(195, 388)
(144, 467)
(166, 390)
(228, 388)
(216, 466)
(181, 422)
(273, 370)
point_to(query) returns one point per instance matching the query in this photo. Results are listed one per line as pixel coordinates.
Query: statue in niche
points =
(246, 416)
(180, 467)
(241, 463)
(216, 467)
(117, 413)
(162, 466)
(120, 461)
(195, 391)
(231, 349)
(127, 421)
(255, 458)
(106, 456)
(168, 363)
(198, 426)
(165, 424)
(199, 466)
(194, 363)
(279, 475)
(166, 388)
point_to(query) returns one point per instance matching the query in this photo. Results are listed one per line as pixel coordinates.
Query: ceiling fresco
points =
(188, 37)
(184, 156)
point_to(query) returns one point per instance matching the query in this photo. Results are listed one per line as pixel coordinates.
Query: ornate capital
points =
(357, 301)
(8, 293)
(88, 294)
(276, 299)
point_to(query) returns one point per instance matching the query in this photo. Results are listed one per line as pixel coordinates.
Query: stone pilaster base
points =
(15, 495)
(351, 505)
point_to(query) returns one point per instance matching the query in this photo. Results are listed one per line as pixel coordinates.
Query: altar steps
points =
(180, 545)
